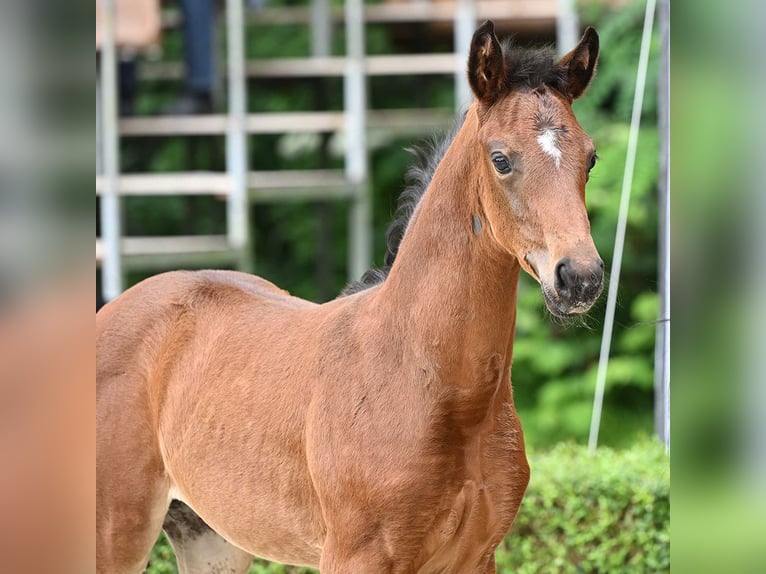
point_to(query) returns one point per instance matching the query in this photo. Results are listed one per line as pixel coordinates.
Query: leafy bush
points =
(608, 512)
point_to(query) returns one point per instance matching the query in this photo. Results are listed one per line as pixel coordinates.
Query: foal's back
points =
(196, 401)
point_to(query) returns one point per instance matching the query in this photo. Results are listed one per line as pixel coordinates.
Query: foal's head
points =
(537, 158)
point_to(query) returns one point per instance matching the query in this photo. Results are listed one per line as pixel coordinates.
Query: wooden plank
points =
(287, 182)
(214, 124)
(277, 123)
(259, 123)
(190, 183)
(497, 10)
(410, 121)
(420, 64)
(314, 67)
(518, 12)
(381, 65)
(290, 122)
(174, 246)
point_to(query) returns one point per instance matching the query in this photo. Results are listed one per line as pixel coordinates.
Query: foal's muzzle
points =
(576, 286)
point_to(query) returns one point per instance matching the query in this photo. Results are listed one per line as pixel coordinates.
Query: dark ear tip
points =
(488, 27)
(590, 35)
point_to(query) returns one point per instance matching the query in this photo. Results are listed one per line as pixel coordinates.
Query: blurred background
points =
(313, 222)
(271, 136)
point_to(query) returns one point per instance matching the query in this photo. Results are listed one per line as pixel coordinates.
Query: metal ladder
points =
(238, 185)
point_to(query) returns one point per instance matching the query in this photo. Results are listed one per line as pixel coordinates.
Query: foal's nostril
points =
(566, 278)
(597, 272)
(578, 283)
(591, 285)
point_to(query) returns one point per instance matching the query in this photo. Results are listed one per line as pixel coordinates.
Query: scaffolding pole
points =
(321, 28)
(567, 27)
(465, 24)
(111, 266)
(236, 135)
(622, 222)
(662, 341)
(355, 95)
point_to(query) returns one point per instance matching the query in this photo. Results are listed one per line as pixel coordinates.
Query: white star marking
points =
(549, 143)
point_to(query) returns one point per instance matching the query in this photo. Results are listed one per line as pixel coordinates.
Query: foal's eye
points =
(501, 163)
(593, 160)
(591, 165)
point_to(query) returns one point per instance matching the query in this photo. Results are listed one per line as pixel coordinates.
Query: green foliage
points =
(162, 560)
(554, 369)
(608, 512)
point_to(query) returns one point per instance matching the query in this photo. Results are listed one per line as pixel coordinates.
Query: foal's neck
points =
(452, 286)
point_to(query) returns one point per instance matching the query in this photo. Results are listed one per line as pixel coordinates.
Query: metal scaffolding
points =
(239, 185)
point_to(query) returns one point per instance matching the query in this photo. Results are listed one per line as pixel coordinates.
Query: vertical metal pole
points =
(465, 24)
(662, 340)
(754, 393)
(321, 47)
(99, 128)
(567, 27)
(236, 136)
(360, 249)
(321, 28)
(622, 222)
(111, 266)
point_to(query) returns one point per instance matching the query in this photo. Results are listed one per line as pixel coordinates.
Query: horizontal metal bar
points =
(330, 66)
(168, 245)
(259, 123)
(173, 125)
(210, 183)
(194, 183)
(281, 122)
(517, 12)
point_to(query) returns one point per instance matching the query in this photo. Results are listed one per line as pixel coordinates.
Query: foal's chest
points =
(480, 512)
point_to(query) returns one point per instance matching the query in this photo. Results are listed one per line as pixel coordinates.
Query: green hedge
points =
(606, 513)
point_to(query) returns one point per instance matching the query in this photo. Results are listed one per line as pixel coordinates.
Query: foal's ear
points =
(580, 64)
(486, 65)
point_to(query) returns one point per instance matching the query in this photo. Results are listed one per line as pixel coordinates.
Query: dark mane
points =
(417, 179)
(526, 70)
(529, 69)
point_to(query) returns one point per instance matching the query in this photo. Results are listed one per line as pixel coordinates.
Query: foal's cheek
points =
(518, 204)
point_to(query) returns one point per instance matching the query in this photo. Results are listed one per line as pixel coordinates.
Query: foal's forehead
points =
(539, 124)
(542, 113)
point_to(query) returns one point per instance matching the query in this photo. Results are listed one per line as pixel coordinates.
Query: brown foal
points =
(376, 432)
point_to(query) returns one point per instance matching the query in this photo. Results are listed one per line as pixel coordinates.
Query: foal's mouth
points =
(564, 309)
(574, 287)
